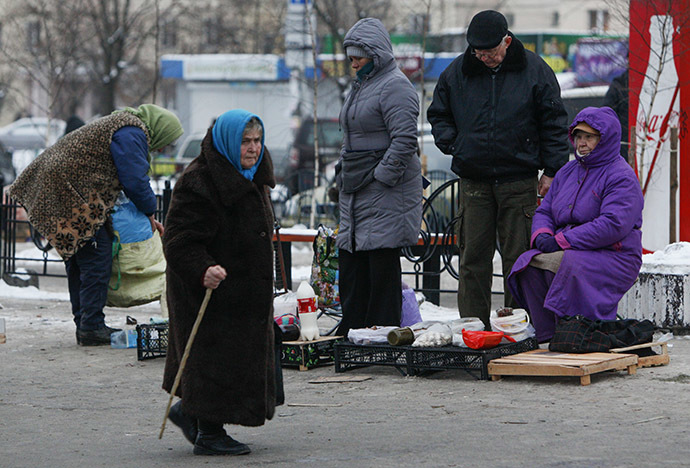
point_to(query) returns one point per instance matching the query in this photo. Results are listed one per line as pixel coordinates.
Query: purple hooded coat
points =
(594, 209)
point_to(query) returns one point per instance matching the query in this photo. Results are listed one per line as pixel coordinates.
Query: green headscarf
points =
(164, 127)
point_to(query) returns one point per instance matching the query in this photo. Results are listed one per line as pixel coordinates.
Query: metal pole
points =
(674, 185)
(632, 149)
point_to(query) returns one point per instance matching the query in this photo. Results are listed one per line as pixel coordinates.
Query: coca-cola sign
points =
(659, 93)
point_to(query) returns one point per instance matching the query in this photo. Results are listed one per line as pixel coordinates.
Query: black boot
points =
(100, 336)
(184, 422)
(212, 440)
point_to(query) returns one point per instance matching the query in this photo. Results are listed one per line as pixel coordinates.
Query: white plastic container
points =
(308, 312)
(517, 326)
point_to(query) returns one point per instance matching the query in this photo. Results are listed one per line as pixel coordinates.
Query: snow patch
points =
(673, 259)
(31, 292)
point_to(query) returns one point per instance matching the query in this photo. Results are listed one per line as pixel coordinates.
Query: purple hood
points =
(605, 121)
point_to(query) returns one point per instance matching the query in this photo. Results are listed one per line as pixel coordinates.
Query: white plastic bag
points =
(467, 323)
(517, 325)
(365, 336)
(435, 334)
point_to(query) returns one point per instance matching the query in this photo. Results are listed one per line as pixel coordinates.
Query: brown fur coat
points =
(218, 217)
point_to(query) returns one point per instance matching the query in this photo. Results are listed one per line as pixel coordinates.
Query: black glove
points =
(546, 243)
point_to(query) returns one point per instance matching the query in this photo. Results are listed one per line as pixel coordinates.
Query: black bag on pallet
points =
(578, 334)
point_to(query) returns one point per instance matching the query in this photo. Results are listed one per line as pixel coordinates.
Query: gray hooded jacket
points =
(381, 113)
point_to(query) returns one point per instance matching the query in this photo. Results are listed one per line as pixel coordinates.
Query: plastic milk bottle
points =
(308, 312)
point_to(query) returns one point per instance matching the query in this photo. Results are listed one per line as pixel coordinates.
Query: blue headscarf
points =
(227, 139)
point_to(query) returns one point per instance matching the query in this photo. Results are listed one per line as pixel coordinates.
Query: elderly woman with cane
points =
(586, 238)
(218, 235)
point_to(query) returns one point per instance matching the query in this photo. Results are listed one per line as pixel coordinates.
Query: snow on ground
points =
(32, 253)
(31, 292)
(673, 259)
(432, 312)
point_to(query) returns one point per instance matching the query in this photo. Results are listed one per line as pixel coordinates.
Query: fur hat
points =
(353, 51)
(486, 30)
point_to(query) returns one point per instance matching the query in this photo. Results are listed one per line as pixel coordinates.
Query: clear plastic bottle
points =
(123, 339)
(308, 312)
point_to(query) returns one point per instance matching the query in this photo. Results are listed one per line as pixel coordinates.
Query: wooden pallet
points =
(660, 359)
(542, 362)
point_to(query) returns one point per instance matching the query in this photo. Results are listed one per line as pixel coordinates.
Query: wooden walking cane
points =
(185, 355)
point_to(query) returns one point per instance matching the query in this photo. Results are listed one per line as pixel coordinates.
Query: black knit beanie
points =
(486, 30)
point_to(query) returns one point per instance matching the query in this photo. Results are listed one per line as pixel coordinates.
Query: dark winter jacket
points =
(130, 152)
(500, 126)
(594, 209)
(617, 99)
(380, 114)
(217, 216)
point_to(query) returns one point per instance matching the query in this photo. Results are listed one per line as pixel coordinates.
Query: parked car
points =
(190, 147)
(165, 165)
(300, 174)
(31, 133)
(435, 159)
(7, 171)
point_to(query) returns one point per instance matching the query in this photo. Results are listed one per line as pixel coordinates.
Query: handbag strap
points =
(281, 260)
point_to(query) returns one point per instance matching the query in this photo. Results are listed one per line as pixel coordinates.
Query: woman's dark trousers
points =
(88, 273)
(370, 288)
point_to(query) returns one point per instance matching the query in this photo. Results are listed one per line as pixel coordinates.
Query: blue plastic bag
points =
(131, 224)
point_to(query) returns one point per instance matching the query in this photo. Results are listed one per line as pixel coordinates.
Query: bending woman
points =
(586, 232)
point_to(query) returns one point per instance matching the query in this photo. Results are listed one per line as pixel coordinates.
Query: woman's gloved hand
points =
(546, 243)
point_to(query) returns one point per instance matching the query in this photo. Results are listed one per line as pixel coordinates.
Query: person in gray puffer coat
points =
(379, 180)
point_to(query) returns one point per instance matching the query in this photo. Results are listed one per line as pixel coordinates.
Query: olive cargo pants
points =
(485, 211)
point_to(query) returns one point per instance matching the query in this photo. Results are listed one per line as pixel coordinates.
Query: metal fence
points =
(15, 228)
(435, 255)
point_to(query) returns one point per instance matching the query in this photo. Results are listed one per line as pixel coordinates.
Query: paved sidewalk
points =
(67, 406)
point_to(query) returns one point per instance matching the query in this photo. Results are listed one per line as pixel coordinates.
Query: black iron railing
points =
(15, 228)
(435, 255)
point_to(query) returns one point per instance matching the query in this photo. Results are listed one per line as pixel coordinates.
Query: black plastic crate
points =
(413, 361)
(152, 341)
(308, 354)
(350, 356)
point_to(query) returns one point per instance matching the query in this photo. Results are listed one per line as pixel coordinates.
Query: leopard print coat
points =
(69, 190)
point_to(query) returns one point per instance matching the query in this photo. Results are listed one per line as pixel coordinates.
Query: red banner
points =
(659, 84)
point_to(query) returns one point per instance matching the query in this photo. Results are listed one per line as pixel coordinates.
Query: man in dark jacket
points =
(497, 110)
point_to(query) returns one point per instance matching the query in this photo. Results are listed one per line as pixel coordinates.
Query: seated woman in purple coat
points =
(586, 238)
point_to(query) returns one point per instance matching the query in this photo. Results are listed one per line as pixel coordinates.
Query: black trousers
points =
(370, 288)
(88, 274)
